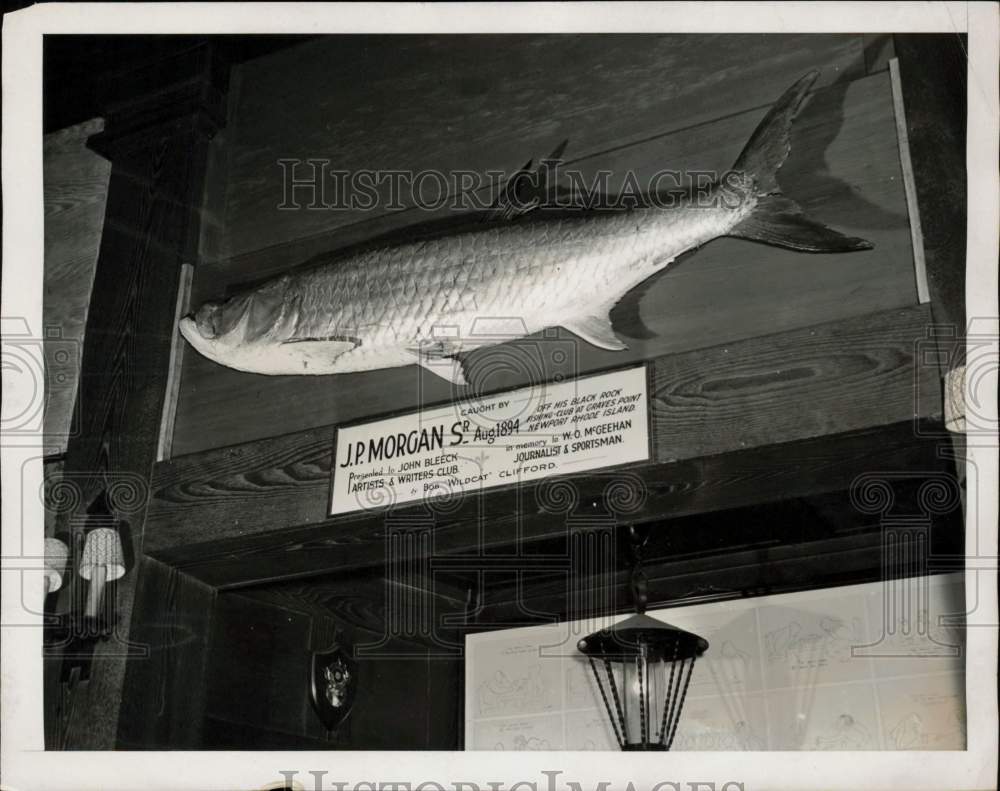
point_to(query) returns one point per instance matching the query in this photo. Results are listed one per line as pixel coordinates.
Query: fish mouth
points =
(204, 321)
(189, 329)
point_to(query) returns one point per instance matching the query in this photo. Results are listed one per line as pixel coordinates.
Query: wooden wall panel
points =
(257, 682)
(486, 102)
(727, 422)
(76, 190)
(844, 169)
(164, 691)
(498, 519)
(156, 145)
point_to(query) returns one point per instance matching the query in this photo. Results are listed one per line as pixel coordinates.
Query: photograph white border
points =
(25, 765)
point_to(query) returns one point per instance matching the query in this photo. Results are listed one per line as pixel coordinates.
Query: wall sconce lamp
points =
(100, 562)
(56, 554)
(643, 668)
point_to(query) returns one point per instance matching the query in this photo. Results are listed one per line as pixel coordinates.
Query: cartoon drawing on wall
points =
(501, 693)
(730, 669)
(930, 719)
(913, 732)
(739, 735)
(797, 646)
(844, 733)
(522, 742)
(580, 688)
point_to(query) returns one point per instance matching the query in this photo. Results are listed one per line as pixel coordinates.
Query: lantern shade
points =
(642, 667)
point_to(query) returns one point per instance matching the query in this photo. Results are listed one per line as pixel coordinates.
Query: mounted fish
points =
(384, 307)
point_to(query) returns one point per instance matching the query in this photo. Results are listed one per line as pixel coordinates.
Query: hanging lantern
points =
(643, 668)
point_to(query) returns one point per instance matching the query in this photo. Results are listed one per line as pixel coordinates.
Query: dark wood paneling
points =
(700, 485)
(933, 78)
(779, 388)
(409, 619)
(487, 102)
(816, 542)
(260, 666)
(829, 379)
(164, 693)
(844, 169)
(76, 188)
(156, 146)
(259, 675)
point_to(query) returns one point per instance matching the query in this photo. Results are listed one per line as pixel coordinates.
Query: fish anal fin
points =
(597, 331)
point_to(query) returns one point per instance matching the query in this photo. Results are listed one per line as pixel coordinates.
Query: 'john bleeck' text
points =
(392, 445)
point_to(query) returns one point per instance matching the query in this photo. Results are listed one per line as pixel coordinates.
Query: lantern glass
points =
(642, 668)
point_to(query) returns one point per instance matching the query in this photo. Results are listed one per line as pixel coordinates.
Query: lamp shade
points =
(643, 667)
(103, 547)
(954, 400)
(56, 553)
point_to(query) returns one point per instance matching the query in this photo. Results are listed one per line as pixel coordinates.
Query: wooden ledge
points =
(773, 417)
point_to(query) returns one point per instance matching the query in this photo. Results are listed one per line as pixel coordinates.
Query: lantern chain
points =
(637, 539)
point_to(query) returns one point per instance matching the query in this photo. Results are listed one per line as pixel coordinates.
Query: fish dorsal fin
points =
(512, 201)
(597, 331)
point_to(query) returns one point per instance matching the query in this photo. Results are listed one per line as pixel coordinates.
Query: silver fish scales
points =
(426, 301)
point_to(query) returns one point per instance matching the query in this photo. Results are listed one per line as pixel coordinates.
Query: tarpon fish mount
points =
(383, 307)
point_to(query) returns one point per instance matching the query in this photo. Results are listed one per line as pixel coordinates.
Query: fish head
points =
(245, 330)
(219, 328)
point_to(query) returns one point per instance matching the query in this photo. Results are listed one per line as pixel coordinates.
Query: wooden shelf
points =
(786, 415)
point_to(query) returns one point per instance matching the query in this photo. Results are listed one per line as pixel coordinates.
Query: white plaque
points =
(498, 440)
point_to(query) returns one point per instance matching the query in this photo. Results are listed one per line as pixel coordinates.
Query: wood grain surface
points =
(76, 189)
(155, 144)
(854, 375)
(499, 519)
(844, 169)
(485, 102)
(258, 675)
(163, 702)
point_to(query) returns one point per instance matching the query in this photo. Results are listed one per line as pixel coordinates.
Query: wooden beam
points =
(158, 120)
(171, 624)
(827, 380)
(691, 486)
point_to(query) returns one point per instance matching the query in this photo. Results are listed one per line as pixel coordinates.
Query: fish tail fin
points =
(776, 219)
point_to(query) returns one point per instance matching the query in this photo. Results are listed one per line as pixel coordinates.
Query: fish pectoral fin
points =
(344, 343)
(597, 331)
(435, 350)
(313, 354)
